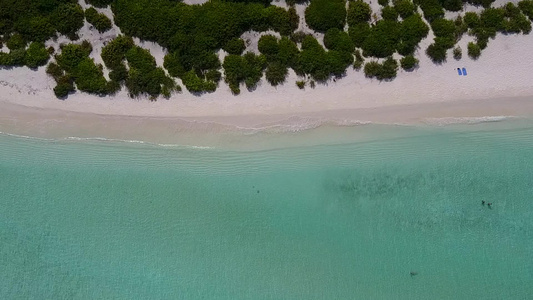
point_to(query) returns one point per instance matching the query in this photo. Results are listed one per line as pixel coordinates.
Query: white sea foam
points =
(466, 120)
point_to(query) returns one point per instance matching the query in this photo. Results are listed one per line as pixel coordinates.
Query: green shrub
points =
(383, 2)
(89, 77)
(213, 75)
(16, 41)
(389, 13)
(413, 30)
(335, 39)
(492, 18)
(235, 46)
(457, 53)
(443, 28)
(100, 3)
(68, 19)
(71, 56)
(195, 84)
(432, 9)
(119, 73)
(36, 55)
(35, 28)
(288, 52)
(276, 73)
(173, 65)
(382, 40)
(64, 87)
(294, 19)
(55, 71)
(472, 19)
(359, 33)
(358, 12)
(405, 8)
(322, 15)
(300, 84)
(359, 60)
(100, 21)
(409, 63)
(437, 53)
(372, 69)
(527, 8)
(248, 69)
(144, 77)
(114, 52)
(389, 69)
(474, 51)
(452, 5)
(268, 45)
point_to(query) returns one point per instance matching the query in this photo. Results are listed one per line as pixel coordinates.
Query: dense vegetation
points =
(322, 15)
(193, 35)
(98, 20)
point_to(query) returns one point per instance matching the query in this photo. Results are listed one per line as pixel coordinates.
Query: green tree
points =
(16, 41)
(389, 13)
(235, 46)
(358, 12)
(322, 15)
(457, 53)
(98, 20)
(335, 39)
(268, 45)
(68, 19)
(276, 73)
(405, 8)
(409, 63)
(437, 53)
(36, 55)
(474, 51)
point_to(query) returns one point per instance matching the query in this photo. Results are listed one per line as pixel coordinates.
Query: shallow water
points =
(102, 220)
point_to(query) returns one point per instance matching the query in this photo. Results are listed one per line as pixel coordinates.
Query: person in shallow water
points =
(489, 204)
(482, 202)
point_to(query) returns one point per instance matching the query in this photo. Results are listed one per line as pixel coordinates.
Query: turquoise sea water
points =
(102, 220)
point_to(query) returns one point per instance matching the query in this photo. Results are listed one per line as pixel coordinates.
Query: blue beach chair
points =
(464, 72)
(459, 71)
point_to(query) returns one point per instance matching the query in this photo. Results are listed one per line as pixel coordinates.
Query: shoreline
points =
(253, 131)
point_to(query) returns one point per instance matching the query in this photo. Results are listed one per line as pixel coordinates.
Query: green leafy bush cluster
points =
(384, 71)
(432, 9)
(387, 36)
(508, 19)
(144, 77)
(247, 68)
(280, 54)
(358, 12)
(235, 46)
(99, 3)
(322, 15)
(405, 8)
(40, 20)
(320, 64)
(526, 6)
(409, 63)
(98, 20)
(35, 56)
(75, 62)
(192, 33)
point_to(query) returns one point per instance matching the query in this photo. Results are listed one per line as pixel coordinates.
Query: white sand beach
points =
(498, 84)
